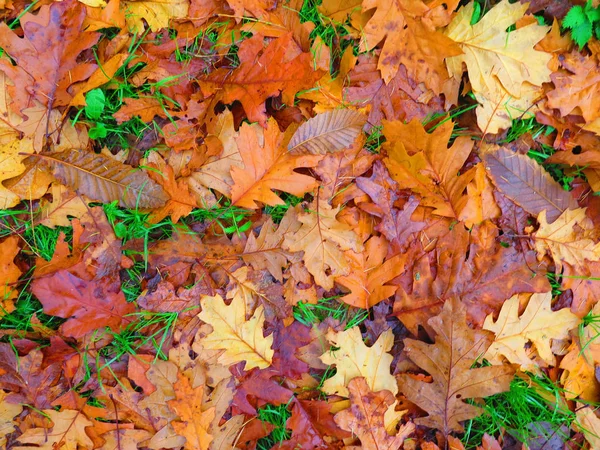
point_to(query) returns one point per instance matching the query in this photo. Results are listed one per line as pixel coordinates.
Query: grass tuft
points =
(309, 314)
(278, 416)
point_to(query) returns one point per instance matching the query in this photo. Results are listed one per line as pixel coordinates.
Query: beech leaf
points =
(526, 183)
(328, 132)
(449, 361)
(104, 179)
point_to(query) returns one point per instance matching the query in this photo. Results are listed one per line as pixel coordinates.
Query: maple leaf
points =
(242, 340)
(281, 67)
(416, 45)
(537, 325)
(267, 166)
(499, 62)
(87, 305)
(563, 241)
(365, 416)
(322, 238)
(47, 56)
(355, 359)
(194, 418)
(369, 274)
(67, 431)
(431, 170)
(449, 363)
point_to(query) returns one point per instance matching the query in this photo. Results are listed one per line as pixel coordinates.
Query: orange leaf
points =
(267, 166)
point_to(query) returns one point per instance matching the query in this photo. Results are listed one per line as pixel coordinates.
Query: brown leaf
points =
(449, 362)
(66, 429)
(526, 183)
(102, 178)
(365, 418)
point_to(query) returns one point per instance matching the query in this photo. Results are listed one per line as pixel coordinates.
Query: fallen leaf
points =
(242, 340)
(536, 327)
(449, 361)
(322, 238)
(354, 359)
(364, 418)
(267, 166)
(194, 420)
(87, 305)
(67, 430)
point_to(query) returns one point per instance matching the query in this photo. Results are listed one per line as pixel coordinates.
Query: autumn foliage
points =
(297, 225)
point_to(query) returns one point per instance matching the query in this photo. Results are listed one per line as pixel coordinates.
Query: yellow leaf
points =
(355, 359)
(537, 325)
(498, 61)
(589, 423)
(157, 14)
(565, 239)
(323, 239)
(242, 340)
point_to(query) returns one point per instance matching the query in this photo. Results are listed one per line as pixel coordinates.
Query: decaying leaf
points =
(242, 340)
(537, 325)
(449, 362)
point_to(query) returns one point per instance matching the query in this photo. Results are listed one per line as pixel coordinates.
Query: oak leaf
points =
(431, 170)
(9, 272)
(354, 359)
(242, 339)
(8, 411)
(370, 273)
(408, 41)
(65, 204)
(537, 325)
(567, 238)
(67, 431)
(46, 57)
(264, 251)
(267, 166)
(157, 14)
(281, 67)
(87, 305)
(194, 418)
(400, 99)
(365, 418)
(323, 238)
(449, 361)
(498, 61)
(577, 88)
